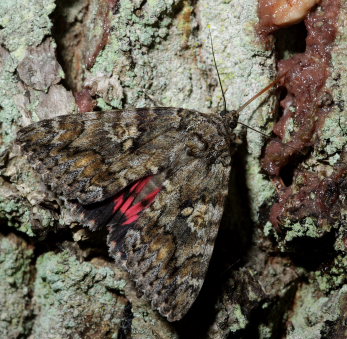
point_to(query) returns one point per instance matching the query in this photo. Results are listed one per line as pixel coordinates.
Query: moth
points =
(156, 178)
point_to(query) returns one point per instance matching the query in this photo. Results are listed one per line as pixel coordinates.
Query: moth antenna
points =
(269, 86)
(237, 112)
(215, 65)
(268, 137)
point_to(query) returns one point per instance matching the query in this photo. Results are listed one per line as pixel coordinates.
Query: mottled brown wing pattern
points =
(167, 252)
(89, 158)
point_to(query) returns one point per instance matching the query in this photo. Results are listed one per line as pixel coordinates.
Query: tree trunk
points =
(264, 281)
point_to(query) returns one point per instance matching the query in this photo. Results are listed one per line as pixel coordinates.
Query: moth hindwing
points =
(156, 178)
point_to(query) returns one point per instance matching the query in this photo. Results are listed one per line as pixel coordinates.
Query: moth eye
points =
(233, 125)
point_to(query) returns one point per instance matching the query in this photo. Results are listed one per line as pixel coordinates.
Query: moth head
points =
(231, 118)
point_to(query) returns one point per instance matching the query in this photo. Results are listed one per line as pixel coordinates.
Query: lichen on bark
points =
(120, 54)
(15, 287)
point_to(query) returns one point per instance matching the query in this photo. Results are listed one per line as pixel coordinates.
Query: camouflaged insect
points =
(156, 178)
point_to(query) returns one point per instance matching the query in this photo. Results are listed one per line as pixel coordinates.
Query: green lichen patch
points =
(306, 228)
(334, 276)
(240, 321)
(24, 23)
(314, 315)
(261, 190)
(76, 299)
(134, 28)
(9, 112)
(15, 287)
(16, 214)
(333, 138)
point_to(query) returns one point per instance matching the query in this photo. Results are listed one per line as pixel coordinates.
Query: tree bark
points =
(57, 279)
